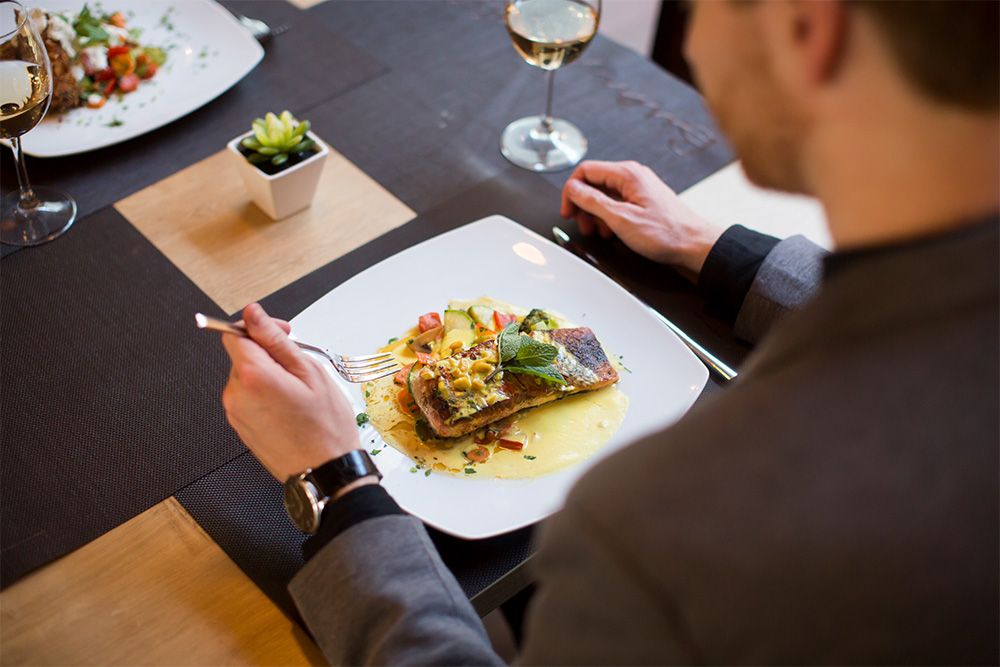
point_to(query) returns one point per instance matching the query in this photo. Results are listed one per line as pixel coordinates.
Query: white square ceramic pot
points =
(287, 192)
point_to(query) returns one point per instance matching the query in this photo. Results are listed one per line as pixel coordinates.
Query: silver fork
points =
(353, 369)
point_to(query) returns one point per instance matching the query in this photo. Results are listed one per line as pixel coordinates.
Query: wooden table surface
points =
(155, 590)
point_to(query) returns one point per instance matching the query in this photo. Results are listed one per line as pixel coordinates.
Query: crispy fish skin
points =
(453, 411)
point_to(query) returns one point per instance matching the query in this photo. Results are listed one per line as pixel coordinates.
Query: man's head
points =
(767, 67)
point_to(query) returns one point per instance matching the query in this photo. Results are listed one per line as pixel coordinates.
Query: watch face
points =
(302, 504)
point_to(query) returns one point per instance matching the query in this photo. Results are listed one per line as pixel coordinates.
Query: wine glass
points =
(548, 34)
(32, 215)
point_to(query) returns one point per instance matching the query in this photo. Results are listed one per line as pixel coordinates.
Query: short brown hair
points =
(949, 49)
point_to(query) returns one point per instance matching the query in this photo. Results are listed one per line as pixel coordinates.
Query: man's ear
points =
(807, 39)
(822, 31)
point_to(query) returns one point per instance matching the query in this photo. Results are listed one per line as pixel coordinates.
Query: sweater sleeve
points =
(380, 593)
(788, 277)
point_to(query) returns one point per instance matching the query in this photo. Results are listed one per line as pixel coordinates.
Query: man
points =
(838, 503)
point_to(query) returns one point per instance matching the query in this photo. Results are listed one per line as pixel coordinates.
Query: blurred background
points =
(653, 28)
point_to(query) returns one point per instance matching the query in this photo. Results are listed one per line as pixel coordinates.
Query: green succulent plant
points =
(276, 137)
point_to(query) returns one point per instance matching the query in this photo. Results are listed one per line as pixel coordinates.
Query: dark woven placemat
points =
(239, 505)
(110, 396)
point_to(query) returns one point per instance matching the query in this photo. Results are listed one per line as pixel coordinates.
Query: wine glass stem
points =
(28, 199)
(546, 121)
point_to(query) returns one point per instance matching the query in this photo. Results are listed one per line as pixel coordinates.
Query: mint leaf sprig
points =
(89, 27)
(520, 353)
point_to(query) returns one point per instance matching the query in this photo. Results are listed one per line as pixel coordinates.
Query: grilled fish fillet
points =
(454, 399)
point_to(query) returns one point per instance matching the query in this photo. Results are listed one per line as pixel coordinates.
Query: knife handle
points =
(707, 358)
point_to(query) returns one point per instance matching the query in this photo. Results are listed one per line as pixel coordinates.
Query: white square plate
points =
(496, 257)
(208, 52)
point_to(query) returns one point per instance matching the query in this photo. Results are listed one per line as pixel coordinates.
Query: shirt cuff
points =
(731, 266)
(363, 503)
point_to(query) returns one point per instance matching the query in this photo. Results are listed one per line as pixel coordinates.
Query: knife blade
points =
(714, 363)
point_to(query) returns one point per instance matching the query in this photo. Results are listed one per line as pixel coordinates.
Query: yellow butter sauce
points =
(556, 435)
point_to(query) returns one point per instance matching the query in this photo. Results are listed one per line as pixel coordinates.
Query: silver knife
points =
(714, 364)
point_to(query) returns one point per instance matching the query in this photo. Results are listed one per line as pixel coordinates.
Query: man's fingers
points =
(585, 222)
(592, 200)
(567, 209)
(604, 230)
(245, 352)
(614, 176)
(283, 324)
(266, 332)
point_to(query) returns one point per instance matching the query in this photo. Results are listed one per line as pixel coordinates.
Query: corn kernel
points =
(482, 367)
(457, 345)
(478, 384)
(463, 383)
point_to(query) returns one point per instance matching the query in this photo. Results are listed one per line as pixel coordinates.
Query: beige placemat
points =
(156, 590)
(202, 219)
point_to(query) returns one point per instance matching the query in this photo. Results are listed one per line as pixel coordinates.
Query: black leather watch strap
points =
(338, 473)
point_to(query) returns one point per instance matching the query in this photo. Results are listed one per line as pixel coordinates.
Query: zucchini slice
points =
(481, 315)
(458, 327)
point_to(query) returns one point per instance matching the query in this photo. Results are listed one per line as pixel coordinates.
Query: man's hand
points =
(627, 200)
(287, 409)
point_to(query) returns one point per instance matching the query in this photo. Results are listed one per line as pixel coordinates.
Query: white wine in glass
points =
(32, 215)
(548, 34)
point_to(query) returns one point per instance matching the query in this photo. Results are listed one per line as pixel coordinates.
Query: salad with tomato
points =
(94, 56)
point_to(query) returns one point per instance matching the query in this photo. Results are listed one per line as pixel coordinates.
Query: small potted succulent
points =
(280, 161)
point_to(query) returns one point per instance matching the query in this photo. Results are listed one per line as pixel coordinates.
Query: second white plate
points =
(208, 52)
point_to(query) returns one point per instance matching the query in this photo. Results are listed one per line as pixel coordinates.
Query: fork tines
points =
(367, 367)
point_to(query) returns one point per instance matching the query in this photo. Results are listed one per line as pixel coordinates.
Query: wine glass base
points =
(526, 144)
(54, 214)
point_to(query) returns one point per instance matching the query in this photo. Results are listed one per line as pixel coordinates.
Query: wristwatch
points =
(307, 493)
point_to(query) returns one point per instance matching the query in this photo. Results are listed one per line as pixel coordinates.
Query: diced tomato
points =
(406, 403)
(117, 19)
(478, 454)
(123, 64)
(149, 71)
(511, 444)
(502, 319)
(428, 322)
(117, 51)
(105, 74)
(492, 433)
(111, 86)
(425, 358)
(401, 375)
(128, 83)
